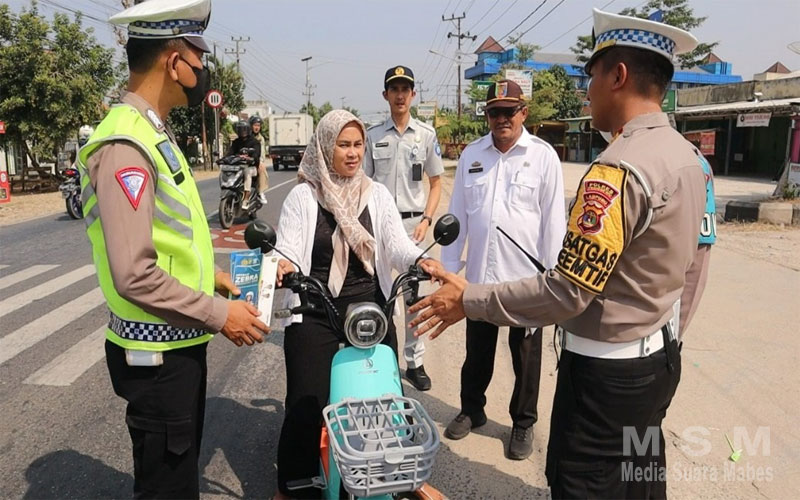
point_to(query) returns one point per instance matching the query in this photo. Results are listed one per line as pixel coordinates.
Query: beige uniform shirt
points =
(128, 233)
(631, 239)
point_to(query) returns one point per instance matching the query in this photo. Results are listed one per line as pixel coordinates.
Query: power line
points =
(523, 21)
(498, 18)
(562, 35)
(542, 19)
(484, 15)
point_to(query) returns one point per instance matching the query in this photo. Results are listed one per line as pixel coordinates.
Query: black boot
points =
(419, 378)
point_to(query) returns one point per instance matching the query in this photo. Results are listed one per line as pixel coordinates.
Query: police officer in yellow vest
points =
(152, 249)
(627, 257)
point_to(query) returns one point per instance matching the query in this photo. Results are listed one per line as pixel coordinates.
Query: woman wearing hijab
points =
(344, 230)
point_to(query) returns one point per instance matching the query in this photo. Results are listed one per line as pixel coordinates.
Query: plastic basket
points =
(383, 445)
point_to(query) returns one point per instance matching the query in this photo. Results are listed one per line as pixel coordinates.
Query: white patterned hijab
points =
(344, 197)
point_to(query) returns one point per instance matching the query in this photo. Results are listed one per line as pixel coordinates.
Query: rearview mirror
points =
(259, 234)
(446, 229)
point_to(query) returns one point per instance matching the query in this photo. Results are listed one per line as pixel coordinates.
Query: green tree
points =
(53, 79)
(568, 103)
(676, 13)
(318, 112)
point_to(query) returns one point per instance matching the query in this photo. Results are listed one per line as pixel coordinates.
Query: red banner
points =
(2, 127)
(704, 140)
(5, 189)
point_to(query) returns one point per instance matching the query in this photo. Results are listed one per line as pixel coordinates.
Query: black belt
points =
(410, 215)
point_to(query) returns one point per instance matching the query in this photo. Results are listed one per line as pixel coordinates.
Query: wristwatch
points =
(427, 218)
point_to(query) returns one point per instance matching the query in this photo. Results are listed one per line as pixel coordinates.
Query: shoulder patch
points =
(596, 229)
(154, 119)
(133, 181)
(436, 148)
(165, 148)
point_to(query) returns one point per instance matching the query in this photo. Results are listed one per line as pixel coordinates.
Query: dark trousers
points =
(604, 412)
(476, 373)
(166, 406)
(309, 348)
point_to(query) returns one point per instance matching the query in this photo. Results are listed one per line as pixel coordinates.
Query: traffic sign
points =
(214, 98)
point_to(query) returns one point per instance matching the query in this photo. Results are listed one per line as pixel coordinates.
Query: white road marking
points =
(67, 367)
(14, 302)
(13, 279)
(3, 266)
(44, 326)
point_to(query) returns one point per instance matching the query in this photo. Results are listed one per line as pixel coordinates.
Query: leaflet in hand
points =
(246, 274)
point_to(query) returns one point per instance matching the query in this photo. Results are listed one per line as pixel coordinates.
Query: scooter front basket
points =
(382, 445)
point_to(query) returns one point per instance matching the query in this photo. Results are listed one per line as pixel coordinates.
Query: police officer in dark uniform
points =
(632, 237)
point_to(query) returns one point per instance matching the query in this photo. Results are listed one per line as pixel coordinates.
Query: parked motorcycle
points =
(231, 183)
(376, 443)
(71, 192)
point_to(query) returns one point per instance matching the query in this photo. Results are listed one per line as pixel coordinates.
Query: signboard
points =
(668, 104)
(794, 174)
(753, 120)
(523, 78)
(2, 127)
(5, 189)
(427, 109)
(704, 140)
(479, 108)
(214, 98)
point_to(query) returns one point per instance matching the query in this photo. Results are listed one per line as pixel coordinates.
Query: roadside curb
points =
(771, 212)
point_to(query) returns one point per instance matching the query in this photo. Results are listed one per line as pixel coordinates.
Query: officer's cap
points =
(398, 72)
(614, 30)
(164, 19)
(504, 94)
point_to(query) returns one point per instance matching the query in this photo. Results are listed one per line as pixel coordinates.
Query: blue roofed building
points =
(492, 56)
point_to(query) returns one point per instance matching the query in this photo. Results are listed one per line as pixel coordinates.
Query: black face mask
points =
(196, 94)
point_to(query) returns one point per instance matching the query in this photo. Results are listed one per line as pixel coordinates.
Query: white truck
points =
(288, 137)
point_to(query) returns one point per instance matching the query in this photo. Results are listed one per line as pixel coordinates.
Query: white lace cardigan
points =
(298, 223)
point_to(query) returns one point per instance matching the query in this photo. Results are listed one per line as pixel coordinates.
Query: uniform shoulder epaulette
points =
(427, 126)
(373, 126)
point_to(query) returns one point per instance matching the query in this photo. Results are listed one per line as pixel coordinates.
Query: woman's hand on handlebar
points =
(284, 267)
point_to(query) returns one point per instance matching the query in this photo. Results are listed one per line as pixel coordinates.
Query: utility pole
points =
(421, 90)
(237, 51)
(308, 93)
(460, 37)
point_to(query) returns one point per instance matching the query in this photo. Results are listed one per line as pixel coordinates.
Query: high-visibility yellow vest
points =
(180, 232)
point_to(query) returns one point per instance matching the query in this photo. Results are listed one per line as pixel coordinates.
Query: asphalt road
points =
(62, 431)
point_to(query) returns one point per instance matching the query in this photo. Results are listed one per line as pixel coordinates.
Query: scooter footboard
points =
(381, 445)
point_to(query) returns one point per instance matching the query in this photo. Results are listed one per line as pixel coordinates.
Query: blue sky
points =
(352, 42)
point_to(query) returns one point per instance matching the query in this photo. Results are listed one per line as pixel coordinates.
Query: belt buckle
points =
(644, 347)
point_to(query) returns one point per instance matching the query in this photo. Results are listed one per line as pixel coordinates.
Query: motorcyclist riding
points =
(263, 179)
(243, 140)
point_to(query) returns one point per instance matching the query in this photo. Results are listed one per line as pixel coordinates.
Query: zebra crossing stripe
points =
(13, 279)
(44, 326)
(74, 362)
(14, 302)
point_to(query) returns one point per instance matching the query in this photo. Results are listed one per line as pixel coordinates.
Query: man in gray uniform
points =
(630, 245)
(398, 151)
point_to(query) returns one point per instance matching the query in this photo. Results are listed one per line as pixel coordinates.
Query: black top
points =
(357, 281)
(248, 142)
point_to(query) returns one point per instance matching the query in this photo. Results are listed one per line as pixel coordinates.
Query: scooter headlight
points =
(365, 325)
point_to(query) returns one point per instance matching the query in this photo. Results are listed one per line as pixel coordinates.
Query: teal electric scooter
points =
(376, 443)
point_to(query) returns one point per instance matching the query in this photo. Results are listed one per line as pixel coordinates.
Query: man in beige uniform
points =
(160, 316)
(631, 239)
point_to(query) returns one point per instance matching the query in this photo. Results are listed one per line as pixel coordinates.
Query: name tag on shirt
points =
(381, 144)
(476, 168)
